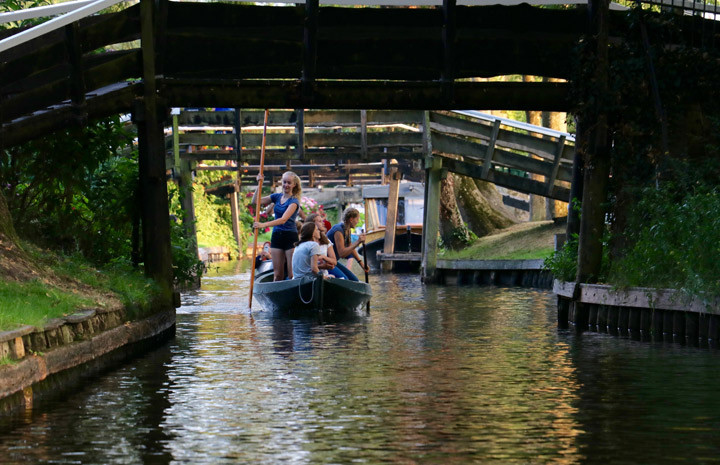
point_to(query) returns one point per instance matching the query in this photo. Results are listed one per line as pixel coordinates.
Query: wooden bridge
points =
(349, 146)
(80, 67)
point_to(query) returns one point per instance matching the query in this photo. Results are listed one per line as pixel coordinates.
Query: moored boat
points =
(310, 294)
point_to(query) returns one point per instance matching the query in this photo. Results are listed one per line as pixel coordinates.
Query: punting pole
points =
(257, 206)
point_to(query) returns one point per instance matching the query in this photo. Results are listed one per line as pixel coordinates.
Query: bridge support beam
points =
(183, 178)
(596, 157)
(153, 181)
(431, 218)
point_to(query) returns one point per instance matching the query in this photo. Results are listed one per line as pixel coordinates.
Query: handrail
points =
(42, 11)
(517, 124)
(55, 23)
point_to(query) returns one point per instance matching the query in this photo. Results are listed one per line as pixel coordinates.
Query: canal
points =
(433, 375)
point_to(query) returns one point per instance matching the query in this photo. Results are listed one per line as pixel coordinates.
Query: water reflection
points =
(431, 375)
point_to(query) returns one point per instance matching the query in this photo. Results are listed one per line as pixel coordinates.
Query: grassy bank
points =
(43, 285)
(524, 241)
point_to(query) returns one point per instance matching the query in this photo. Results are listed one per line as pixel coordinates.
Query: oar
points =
(257, 206)
(365, 262)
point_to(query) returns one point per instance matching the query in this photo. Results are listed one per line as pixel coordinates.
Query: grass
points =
(524, 241)
(67, 284)
(7, 361)
(33, 303)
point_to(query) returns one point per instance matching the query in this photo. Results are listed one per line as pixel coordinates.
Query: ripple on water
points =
(431, 375)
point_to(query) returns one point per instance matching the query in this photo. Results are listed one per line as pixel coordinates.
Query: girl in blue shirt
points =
(344, 248)
(285, 234)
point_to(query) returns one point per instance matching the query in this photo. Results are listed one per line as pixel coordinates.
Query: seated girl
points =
(307, 252)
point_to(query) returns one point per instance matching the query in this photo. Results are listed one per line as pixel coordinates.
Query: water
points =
(433, 375)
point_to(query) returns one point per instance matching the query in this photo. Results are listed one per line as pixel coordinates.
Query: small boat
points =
(307, 295)
(408, 230)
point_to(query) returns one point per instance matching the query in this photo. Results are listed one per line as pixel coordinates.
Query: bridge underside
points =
(240, 56)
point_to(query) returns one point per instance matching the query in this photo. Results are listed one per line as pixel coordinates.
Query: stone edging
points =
(637, 297)
(69, 342)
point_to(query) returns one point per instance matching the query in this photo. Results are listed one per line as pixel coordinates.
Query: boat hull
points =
(302, 296)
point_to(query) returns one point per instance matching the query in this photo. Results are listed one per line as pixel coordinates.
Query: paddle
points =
(257, 206)
(365, 262)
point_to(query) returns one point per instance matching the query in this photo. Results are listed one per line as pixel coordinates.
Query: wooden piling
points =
(153, 184)
(612, 319)
(431, 218)
(623, 320)
(679, 327)
(602, 318)
(692, 325)
(392, 215)
(656, 327)
(592, 317)
(580, 316)
(714, 330)
(563, 307)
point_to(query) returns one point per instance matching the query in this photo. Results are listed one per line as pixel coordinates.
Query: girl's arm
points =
(330, 258)
(345, 251)
(263, 200)
(314, 264)
(362, 264)
(286, 216)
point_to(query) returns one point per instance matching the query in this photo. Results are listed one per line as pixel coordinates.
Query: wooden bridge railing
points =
(470, 146)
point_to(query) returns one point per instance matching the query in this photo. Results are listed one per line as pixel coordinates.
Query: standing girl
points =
(285, 234)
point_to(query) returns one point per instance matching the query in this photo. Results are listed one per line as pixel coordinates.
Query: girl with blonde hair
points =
(285, 233)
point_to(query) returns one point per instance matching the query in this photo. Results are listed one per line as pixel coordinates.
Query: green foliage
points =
(563, 263)
(73, 190)
(676, 241)
(214, 220)
(187, 268)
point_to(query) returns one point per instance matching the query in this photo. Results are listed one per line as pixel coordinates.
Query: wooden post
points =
(487, 161)
(602, 318)
(449, 32)
(363, 135)
(597, 160)
(238, 140)
(153, 183)
(656, 327)
(576, 187)
(300, 131)
(563, 306)
(77, 80)
(235, 220)
(431, 217)
(309, 51)
(392, 214)
(183, 178)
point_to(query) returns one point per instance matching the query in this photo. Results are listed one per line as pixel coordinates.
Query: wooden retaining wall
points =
(33, 355)
(641, 313)
(506, 273)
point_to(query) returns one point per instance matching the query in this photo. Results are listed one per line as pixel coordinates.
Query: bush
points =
(563, 263)
(676, 242)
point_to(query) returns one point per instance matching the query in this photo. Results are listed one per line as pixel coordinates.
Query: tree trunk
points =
(7, 230)
(452, 228)
(481, 206)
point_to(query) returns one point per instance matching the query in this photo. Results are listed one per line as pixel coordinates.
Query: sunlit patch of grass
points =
(527, 241)
(33, 303)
